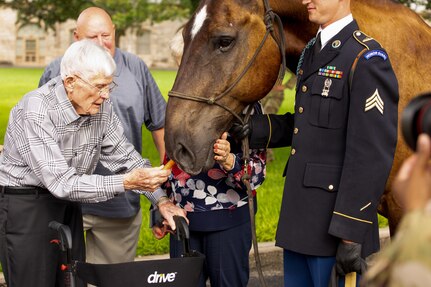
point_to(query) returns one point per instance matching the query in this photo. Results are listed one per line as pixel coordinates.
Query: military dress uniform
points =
(342, 136)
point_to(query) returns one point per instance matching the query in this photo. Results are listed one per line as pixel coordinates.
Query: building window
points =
(30, 50)
(30, 45)
(143, 44)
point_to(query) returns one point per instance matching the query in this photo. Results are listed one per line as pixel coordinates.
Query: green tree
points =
(194, 4)
(412, 3)
(125, 13)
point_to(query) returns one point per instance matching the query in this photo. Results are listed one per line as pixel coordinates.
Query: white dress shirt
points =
(333, 29)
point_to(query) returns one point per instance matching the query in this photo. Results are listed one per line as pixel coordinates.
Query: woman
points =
(218, 211)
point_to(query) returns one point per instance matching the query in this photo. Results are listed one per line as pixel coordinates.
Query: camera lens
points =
(416, 119)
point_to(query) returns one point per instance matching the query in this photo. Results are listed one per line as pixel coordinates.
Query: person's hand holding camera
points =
(412, 185)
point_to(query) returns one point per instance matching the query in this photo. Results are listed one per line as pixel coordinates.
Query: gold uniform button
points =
(301, 71)
(304, 88)
(331, 187)
(300, 110)
(296, 131)
(293, 151)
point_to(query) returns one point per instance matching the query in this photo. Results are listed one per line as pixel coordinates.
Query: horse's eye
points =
(224, 43)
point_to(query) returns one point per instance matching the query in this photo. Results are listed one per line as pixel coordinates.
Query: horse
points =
(221, 38)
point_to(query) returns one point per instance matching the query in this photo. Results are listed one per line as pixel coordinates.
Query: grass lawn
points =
(15, 82)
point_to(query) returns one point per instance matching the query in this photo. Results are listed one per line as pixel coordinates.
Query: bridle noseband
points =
(270, 17)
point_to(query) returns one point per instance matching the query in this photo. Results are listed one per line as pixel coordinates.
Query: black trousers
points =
(26, 254)
(226, 254)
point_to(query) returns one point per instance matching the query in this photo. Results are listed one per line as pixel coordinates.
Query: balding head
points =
(95, 24)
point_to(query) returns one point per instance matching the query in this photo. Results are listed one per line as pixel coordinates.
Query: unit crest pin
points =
(336, 44)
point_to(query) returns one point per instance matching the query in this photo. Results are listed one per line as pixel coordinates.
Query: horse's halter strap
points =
(269, 18)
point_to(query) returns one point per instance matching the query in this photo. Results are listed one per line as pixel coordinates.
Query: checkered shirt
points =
(48, 144)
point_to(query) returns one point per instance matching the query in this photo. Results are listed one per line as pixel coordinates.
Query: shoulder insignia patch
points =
(375, 101)
(365, 40)
(376, 53)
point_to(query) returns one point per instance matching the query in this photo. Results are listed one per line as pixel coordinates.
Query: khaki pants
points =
(111, 240)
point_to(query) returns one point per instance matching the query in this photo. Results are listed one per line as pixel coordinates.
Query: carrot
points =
(169, 164)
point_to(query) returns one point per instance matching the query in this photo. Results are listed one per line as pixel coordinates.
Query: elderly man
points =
(55, 137)
(112, 227)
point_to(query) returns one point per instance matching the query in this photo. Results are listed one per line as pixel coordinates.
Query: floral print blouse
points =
(217, 189)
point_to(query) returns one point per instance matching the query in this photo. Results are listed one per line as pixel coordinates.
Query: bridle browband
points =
(270, 17)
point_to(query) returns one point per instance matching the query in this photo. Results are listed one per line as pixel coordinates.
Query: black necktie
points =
(317, 45)
(316, 48)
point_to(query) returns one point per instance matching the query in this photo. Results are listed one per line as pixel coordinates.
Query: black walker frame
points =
(184, 271)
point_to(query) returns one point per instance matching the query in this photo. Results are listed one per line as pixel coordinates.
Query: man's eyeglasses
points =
(101, 91)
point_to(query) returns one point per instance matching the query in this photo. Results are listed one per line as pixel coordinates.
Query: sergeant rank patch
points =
(375, 101)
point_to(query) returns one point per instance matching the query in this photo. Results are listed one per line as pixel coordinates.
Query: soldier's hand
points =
(148, 179)
(348, 258)
(239, 130)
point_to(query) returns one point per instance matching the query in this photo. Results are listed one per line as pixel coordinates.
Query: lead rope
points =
(246, 180)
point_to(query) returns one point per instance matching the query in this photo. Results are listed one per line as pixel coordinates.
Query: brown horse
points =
(222, 37)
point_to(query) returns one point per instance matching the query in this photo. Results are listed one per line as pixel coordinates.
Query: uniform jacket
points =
(343, 136)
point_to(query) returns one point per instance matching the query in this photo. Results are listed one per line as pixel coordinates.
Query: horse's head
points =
(220, 41)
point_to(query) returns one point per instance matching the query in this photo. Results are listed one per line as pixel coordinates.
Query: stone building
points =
(32, 46)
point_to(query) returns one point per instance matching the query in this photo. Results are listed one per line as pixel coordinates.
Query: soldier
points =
(343, 136)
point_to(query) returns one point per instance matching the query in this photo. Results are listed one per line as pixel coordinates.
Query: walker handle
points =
(65, 234)
(183, 233)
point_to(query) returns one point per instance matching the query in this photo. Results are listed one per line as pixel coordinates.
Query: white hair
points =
(86, 59)
(177, 46)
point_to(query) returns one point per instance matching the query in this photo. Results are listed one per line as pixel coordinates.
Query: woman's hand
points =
(160, 232)
(222, 153)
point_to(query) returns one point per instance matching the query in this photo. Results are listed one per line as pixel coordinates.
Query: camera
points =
(416, 119)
